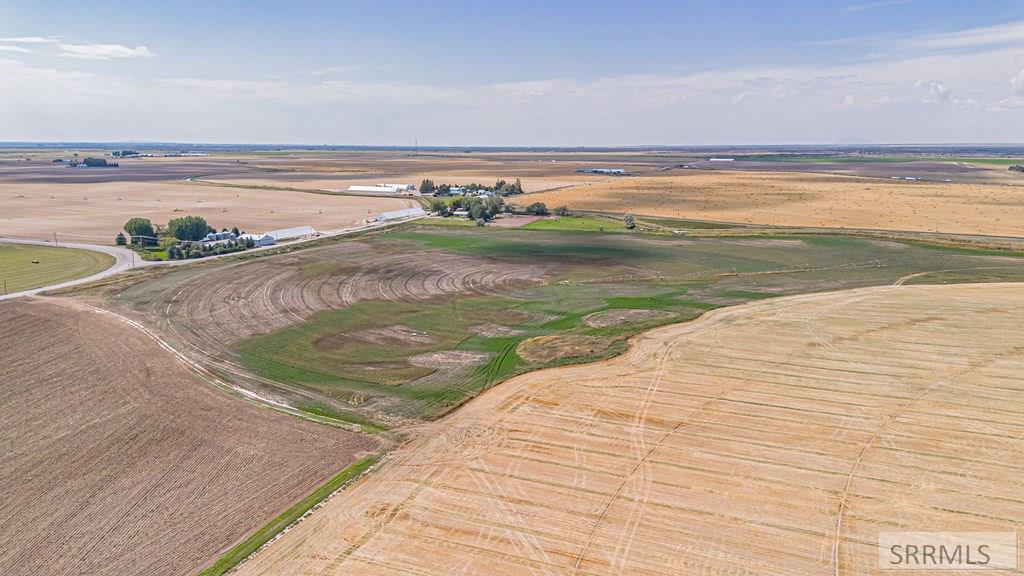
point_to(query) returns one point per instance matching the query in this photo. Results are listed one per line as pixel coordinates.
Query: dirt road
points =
(778, 437)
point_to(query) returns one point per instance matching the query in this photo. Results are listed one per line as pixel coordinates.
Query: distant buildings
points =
(385, 189)
(611, 171)
(721, 159)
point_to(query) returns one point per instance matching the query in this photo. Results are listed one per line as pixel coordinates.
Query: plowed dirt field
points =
(116, 459)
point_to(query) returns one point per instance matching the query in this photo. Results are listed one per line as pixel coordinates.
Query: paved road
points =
(125, 259)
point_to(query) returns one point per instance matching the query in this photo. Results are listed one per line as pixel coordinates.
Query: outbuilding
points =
(289, 233)
(401, 214)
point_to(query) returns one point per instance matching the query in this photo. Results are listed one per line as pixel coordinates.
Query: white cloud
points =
(1017, 83)
(873, 5)
(1011, 33)
(31, 40)
(104, 51)
(17, 49)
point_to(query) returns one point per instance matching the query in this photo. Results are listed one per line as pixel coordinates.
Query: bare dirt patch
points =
(448, 359)
(559, 347)
(116, 459)
(621, 316)
(495, 330)
(779, 437)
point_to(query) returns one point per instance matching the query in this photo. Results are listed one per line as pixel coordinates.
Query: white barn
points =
(400, 214)
(288, 233)
(258, 239)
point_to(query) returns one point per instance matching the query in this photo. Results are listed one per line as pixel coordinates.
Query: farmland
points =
(399, 327)
(775, 437)
(23, 266)
(95, 212)
(778, 386)
(117, 459)
(805, 199)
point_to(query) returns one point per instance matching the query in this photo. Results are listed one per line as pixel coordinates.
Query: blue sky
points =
(521, 73)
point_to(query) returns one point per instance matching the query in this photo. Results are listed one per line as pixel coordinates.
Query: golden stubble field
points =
(778, 437)
(805, 199)
(95, 212)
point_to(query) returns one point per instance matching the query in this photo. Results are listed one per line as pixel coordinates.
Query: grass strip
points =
(247, 547)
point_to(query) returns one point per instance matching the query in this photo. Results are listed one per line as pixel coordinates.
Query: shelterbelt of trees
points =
(500, 187)
(181, 238)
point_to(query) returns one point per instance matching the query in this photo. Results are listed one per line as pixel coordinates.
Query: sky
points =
(518, 73)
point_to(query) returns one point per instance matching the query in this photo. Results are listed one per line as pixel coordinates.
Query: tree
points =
(439, 207)
(443, 190)
(427, 186)
(167, 241)
(234, 230)
(120, 240)
(562, 211)
(537, 208)
(628, 221)
(188, 228)
(141, 228)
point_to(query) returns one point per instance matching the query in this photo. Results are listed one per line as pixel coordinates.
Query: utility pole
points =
(55, 239)
(5, 285)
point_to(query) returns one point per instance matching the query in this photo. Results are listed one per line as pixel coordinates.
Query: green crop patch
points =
(23, 266)
(410, 323)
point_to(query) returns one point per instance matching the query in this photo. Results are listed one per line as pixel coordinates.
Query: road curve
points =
(124, 259)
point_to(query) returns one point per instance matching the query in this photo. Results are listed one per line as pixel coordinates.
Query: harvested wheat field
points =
(95, 213)
(777, 437)
(803, 199)
(116, 459)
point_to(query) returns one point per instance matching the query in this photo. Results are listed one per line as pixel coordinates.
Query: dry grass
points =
(116, 459)
(95, 213)
(778, 437)
(803, 199)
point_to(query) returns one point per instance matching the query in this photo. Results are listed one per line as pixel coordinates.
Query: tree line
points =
(501, 187)
(181, 238)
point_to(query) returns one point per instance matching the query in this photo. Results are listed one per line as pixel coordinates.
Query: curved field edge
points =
(533, 388)
(255, 541)
(26, 266)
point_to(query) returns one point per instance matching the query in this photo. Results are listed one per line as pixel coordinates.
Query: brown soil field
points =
(778, 437)
(95, 212)
(804, 199)
(116, 459)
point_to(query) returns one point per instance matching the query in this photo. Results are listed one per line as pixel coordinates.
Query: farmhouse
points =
(456, 191)
(288, 233)
(258, 239)
(400, 214)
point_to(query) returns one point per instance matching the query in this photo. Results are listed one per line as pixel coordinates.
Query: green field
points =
(23, 267)
(678, 277)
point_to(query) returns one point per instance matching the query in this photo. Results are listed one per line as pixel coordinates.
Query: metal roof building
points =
(286, 233)
(399, 214)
